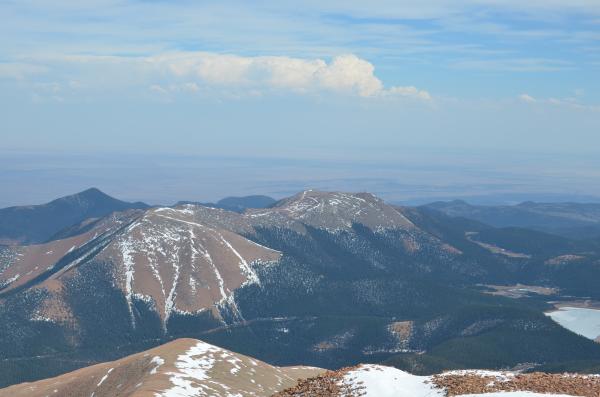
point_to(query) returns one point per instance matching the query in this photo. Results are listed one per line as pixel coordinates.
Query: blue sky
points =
(311, 81)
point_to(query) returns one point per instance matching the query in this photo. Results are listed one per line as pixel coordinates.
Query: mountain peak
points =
(340, 210)
(92, 194)
(93, 190)
(38, 223)
(324, 195)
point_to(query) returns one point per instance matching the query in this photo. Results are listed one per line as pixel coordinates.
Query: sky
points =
(192, 100)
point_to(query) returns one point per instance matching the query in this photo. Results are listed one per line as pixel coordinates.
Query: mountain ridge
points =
(568, 219)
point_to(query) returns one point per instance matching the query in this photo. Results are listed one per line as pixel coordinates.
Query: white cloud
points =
(158, 89)
(410, 92)
(347, 74)
(569, 102)
(526, 98)
(207, 74)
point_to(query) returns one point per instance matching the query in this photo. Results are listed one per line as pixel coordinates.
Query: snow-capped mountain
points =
(182, 368)
(162, 256)
(179, 264)
(332, 211)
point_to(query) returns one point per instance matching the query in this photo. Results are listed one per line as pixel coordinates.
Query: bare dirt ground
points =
(494, 249)
(520, 290)
(537, 382)
(328, 384)
(580, 303)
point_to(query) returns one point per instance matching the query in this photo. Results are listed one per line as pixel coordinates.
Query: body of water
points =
(585, 322)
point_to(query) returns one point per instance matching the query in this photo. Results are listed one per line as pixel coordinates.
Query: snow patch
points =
(104, 377)
(381, 381)
(12, 279)
(246, 269)
(158, 361)
(127, 254)
(193, 368)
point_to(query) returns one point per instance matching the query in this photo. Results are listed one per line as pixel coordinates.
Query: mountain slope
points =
(184, 367)
(575, 220)
(526, 256)
(38, 223)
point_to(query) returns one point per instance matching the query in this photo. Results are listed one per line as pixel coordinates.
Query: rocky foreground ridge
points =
(377, 380)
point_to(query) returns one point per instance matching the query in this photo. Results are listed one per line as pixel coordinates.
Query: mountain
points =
(327, 279)
(189, 367)
(159, 256)
(575, 220)
(38, 223)
(237, 204)
(184, 367)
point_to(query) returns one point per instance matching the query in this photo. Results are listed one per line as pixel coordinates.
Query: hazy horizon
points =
(164, 101)
(35, 178)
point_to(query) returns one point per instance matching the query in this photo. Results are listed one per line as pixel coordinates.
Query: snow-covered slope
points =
(182, 265)
(381, 381)
(332, 211)
(22, 265)
(182, 368)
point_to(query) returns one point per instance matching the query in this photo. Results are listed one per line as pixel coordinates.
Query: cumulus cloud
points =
(344, 74)
(205, 73)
